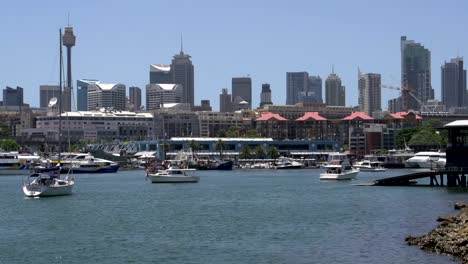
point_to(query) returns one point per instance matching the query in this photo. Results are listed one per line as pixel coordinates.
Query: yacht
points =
(338, 168)
(284, 163)
(47, 184)
(367, 165)
(172, 175)
(14, 163)
(78, 162)
(427, 159)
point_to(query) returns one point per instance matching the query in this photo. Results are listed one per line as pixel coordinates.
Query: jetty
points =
(450, 177)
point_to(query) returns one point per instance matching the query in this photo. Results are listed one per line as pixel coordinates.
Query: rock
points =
(459, 206)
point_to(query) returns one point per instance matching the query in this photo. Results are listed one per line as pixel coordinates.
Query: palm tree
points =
(260, 152)
(273, 153)
(245, 152)
(220, 147)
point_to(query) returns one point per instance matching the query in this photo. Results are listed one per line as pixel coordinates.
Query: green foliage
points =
(221, 133)
(425, 137)
(272, 152)
(9, 145)
(194, 146)
(4, 130)
(220, 147)
(260, 152)
(233, 132)
(251, 133)
(404, 136)
(245, 152)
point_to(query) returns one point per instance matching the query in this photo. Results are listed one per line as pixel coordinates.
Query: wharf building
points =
(415, 77)
(82, 93)
(105, 95)
(334, 91)
(158, 94)
(370, 93)
(242, 91)
(454, 94)
(265, 95)
(134, 99)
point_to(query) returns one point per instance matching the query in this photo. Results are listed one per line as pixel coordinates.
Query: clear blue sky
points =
(117, 40)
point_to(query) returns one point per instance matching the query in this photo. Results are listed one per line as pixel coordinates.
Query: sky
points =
(118, 40)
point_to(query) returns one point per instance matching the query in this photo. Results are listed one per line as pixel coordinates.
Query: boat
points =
(284, 163)
(50, 183)
(79, 162)
(172, 175)
(212, 164)
(14, 163)
(427, 159)
(367, 165)
(338, 168)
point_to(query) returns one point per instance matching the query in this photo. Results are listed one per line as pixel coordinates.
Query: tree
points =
(426, 137)
(4, 130)
(260, 152)
(194, 146)
(273, 152)
(9, 145)
(233, 132)
(251, 133)
(245, 152)
(220, 147)
(221, 133)
(404, 136)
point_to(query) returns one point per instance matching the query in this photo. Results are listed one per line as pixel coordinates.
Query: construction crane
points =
(406, 93)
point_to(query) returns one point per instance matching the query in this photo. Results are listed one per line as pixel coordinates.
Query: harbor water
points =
(240, 216)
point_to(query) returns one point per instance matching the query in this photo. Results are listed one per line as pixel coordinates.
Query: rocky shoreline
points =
(449, 237)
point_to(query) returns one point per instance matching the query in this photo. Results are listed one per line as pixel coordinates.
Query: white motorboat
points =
(13, 163)
(47, 184)
(427, 159)
(284, 163)
(172, 175)
(367, 165)
(79, 162)
(338, 168)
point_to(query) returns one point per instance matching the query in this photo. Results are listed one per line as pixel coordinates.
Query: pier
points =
(450, 177)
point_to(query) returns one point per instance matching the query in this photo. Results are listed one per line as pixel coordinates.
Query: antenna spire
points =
(68, 21)
(181, 44)
(333, 69)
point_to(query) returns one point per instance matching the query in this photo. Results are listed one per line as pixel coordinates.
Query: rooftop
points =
(269, 115)
(358, 115)
(314, 115)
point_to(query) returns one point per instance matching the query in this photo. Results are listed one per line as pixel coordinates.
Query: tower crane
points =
(407, 92)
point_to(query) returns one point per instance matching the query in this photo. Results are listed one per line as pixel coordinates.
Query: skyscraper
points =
(135, 97)
(334, 91)
(370, 94)
(242, 88)
(47, 92)
(68, 41)
(296, 83)
(12, 96)
(106, 95)
(82, 93)
(315, 89)
(160, 73)
(158, 94)
(265, 95)
(183, 71)
(454, 84)
(225, 101)
(415, 74)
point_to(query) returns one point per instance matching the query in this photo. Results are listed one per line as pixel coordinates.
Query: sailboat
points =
(40, 184)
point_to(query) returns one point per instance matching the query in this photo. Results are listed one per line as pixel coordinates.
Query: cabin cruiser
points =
(367, 165)
(77, 162)
(338, 168)
(427, 159)
(172, 175)
(47, 184)
(284, 163)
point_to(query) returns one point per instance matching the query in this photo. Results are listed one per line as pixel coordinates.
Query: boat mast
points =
(60, 97)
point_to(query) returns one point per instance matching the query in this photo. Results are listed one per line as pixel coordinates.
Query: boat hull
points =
(339, 176)
(370, 169)
(77, 170)
(172, 179)
(292, 167)
(37, 190)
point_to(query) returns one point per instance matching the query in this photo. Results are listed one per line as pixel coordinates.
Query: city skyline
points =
(103, 52)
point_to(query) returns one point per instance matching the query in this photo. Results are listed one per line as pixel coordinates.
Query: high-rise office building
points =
(315, 89)
(135, 97)
(297, 83)
(183, 71)
(242, 88)
(265, 95)
(68, 41)
(160, 73)
(47, 92)
(12, 96)
(370, 94)
(105, 95)
(82, 93)
(415, 74)
(454, 84)
(225, 101)
(334, 91)
(158, 94)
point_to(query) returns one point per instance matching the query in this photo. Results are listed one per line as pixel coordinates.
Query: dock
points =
(450, 177)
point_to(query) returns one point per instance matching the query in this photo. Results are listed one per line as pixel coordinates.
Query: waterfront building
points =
(82, 93)
(212, 123)
(454, 94)
(160, 73)
(334, 91)
(135, 98)
(370, 94)
(106, 95)
(354, 126)
(273, 126)
(157, 94)
(176, 123)
(415, 75)
(295, 111)
(47, 92)
(265, 95)
(313, 126)
(13, 97)
(242, 87)
(225, 101)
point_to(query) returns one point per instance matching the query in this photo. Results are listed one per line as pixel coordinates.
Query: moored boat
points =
(367, 165)
(339, 168)
(172, 175)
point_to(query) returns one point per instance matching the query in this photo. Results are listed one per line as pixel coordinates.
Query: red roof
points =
(268, 116)
(313, 115)
(401, 115)
(360, 115)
